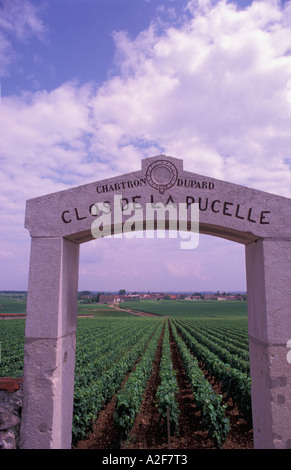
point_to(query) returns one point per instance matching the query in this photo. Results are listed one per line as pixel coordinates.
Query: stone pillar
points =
(268, 263)
(49, 358)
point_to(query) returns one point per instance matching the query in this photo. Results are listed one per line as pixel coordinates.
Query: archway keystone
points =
(58, 223)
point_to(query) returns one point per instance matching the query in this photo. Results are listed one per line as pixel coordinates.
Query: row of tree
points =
(88, 297)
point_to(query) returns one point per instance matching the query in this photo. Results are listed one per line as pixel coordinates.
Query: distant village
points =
(123, 296)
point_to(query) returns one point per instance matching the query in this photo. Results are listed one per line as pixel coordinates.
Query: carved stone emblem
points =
(161, 175)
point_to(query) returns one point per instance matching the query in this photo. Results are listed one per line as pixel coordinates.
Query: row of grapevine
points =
(110, 349)
(235, 383)
(236, 336)
(168, 387)
(97, 355)
(207, 401)
(129, 398)
(222, 349)
(235, 333)
(12, 348)
(233, 343)
(89, 400)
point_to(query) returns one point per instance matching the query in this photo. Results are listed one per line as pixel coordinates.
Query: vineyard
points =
(175, 381)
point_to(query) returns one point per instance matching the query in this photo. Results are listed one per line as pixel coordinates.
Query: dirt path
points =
(147, 432)
(133, 312)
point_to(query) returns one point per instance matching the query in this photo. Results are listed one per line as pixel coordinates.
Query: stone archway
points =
(60, 222)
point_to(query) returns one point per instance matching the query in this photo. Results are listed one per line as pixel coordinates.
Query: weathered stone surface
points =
(7, 440)
(10, 417)
(48, 400)
(227, 210)
(54, 264)
(59, 222)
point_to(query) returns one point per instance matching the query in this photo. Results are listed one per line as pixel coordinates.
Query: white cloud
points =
(212, 91)
(4, 255)
(6, 55)
(194, 270)
(146, 263)
(19, 20)
(209, 91)
(22, 18)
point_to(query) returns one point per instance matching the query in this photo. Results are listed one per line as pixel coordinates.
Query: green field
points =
(112, 344)
(12, 306)
(100, 310)
(231, 314)
(197, 308)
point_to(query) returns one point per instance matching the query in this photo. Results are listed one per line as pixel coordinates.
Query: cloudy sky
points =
(91, 87)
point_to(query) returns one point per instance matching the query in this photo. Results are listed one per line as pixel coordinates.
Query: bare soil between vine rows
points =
(150, 430)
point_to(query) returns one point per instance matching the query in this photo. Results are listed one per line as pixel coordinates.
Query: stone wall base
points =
(11, 395)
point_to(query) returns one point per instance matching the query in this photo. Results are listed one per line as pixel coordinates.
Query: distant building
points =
(210, 297)
(231, 297)
(107, 299)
